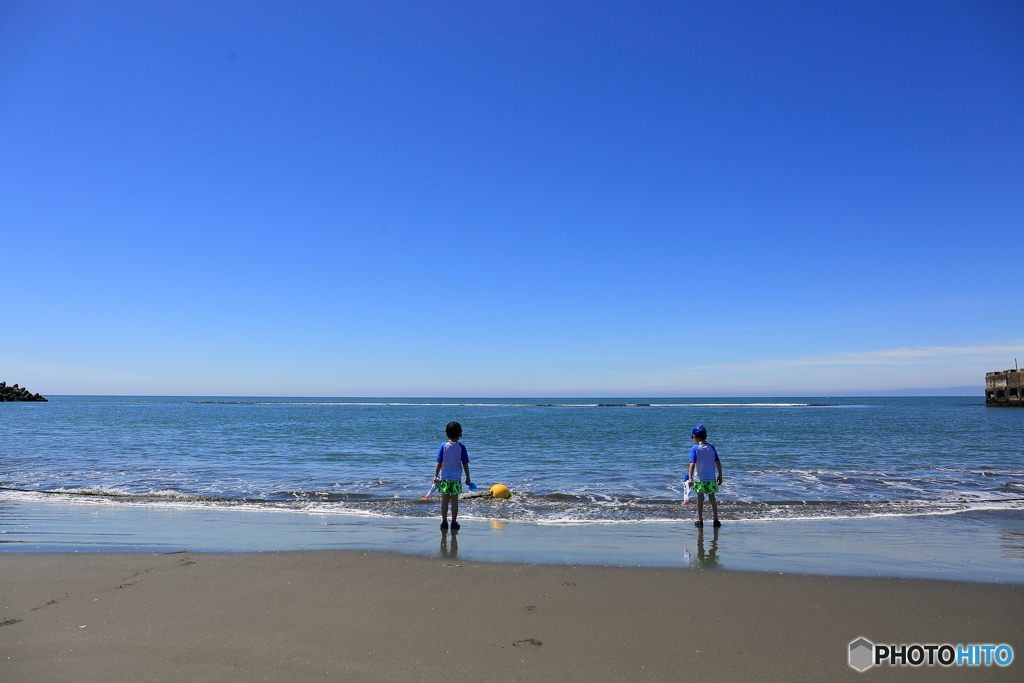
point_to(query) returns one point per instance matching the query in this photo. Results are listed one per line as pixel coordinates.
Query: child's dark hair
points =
(453, 430)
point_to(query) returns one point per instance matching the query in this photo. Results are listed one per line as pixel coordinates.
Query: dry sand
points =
(372, 616)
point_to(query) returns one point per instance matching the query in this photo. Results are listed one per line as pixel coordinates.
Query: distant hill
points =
(17, 393)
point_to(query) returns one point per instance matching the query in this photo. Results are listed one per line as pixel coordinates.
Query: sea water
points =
(567, 461)
(900, 487)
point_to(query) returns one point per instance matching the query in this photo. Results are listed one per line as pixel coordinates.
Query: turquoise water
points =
(567, 461)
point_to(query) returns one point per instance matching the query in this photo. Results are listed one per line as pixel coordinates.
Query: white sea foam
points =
(596, 510)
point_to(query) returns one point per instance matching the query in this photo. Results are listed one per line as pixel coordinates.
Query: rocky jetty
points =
(17, 393)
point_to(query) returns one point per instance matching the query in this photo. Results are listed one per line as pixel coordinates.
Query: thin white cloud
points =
(814, 375)
(903, 356)
(824, 374)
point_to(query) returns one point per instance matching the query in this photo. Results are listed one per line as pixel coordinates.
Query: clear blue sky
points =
(510, 199)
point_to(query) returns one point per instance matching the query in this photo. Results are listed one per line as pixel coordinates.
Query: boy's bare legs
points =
(700, 507)
(714, 506)
(447, 498)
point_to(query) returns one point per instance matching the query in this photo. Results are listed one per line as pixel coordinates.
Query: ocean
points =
(567, 461)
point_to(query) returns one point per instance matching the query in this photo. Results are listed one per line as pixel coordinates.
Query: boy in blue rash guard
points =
(452, 458)
(703, 462)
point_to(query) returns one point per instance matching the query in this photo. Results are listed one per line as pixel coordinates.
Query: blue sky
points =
(510, 199)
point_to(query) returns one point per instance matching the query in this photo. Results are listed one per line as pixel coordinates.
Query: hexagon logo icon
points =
(862, 653)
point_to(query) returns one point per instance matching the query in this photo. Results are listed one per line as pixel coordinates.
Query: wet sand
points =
(981, 546)
(377, 616)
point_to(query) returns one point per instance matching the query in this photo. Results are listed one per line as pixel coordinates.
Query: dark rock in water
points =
(17, 393)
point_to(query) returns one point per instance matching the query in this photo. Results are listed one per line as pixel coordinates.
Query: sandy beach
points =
(376, 616)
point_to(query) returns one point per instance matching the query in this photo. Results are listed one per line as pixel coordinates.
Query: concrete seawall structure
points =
(1004, 388)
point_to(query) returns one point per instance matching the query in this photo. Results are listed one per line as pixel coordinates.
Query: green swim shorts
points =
(707, 487)
(449, 487)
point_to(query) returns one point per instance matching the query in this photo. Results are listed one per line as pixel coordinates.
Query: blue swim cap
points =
(699, 429)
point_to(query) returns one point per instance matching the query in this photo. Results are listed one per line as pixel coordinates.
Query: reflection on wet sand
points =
(707, 558)
(1012, 543)
(450, 552)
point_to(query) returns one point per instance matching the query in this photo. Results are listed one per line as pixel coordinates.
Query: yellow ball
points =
(500, 491)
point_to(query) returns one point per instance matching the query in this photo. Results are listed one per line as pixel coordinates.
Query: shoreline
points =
(983, 547)
(365, 615)
(475, 505)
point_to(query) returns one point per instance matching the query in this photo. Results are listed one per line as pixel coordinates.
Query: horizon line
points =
(881, 393)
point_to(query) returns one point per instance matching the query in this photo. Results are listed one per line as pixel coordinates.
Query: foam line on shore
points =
(637, 511)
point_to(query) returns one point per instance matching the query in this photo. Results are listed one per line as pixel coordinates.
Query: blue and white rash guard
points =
(452, 455)
(705, 456)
